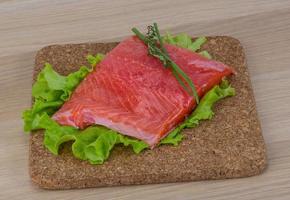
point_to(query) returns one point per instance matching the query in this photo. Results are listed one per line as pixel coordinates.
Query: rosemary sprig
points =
(156, 48)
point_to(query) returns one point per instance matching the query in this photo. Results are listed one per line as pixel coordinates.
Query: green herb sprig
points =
(156, 48)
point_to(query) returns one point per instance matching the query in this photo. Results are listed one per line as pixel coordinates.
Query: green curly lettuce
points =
(94, 60)
(51, 90)
(205, 54)
(185, 41)
(204, 110)
(95, 143)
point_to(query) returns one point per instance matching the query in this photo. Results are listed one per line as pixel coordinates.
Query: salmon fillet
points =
(133, 93)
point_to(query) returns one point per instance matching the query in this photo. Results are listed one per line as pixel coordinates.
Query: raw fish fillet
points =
(133, 93)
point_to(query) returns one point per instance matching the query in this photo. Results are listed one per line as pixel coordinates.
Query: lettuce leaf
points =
(204, 109)
(197, 43)
(39, 107)
(94, 60)
(95, 143)
(205, 54)
(185, 41)
(51, 90)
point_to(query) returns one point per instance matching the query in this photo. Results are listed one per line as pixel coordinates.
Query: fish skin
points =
(134, 94)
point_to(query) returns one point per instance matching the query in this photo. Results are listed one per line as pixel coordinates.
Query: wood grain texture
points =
(262, 26)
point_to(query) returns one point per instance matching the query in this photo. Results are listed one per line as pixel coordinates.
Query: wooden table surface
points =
(263, 27)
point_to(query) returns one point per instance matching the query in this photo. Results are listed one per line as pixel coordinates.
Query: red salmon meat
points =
(133, 93)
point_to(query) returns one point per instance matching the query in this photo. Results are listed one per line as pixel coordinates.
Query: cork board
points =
(228, 146)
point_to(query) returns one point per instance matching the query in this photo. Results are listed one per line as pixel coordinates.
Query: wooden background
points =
(263, 27)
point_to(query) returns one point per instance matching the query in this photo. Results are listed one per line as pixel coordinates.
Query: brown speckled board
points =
(228, 146)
